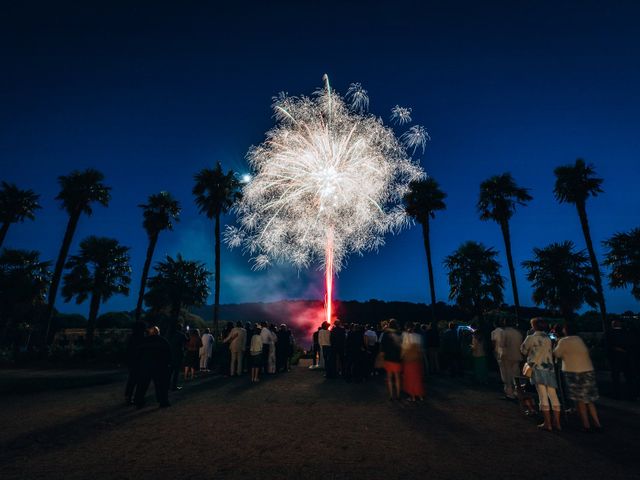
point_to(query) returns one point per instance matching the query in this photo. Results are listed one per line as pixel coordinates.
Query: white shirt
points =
(324, 338)
(496, 339)
(207, 344)
(256, 344)
(265, 336)
(370, 338)
(510, 342)
(574, 354)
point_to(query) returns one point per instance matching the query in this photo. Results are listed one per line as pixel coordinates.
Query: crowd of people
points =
(249, 348)
(551, 366)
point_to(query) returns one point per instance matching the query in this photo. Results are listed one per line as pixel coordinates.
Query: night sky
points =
(150, 94)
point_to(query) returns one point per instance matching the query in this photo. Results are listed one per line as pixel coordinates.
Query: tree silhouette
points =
(159, 213)
(623, 259)
(561, 279)
(499, 196)
(216, 192)
(16, 205)
(98, 272)
(24, 281)
(575, 184)
(422, 201)
(77, 192)
(474, 276)
(177, 284)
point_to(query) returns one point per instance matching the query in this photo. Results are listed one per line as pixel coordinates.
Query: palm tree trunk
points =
(216, 304)
(3, 232)
(57, 273)
(584, 223)
(506, 235)
(427, 249)
(93, 316)
(153, 240)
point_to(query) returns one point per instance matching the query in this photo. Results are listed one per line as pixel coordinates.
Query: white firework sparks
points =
(327, 181)
(400, 115)
(416, 137)
(358, 97)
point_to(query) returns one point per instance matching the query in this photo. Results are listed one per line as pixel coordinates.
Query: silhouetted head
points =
(239, 324)
(393, 324)
(206, 330)
(538, 324)
(452, 325)
(153, 331)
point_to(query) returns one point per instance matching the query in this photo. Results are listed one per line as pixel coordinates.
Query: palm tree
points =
(77, 192)
(575, 184)
(422, 201)
(216, 192)
(561, 279)
(160, 212)
(623, 258)
(499, 196)
(16, 205)
(474, 278)
(98, 272)
(177, 284)
(24, 281)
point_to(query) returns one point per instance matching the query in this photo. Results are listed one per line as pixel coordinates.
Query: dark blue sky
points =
(150, 94)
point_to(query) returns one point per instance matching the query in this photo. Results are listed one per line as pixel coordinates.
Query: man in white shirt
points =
(206, 350)
(237, 339)
(496, 341)
(324, 340)
(267, 340)
(511, 357)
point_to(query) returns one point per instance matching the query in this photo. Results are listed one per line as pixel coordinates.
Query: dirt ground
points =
(299, 425)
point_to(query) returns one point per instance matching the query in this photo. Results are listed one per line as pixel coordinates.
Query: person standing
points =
(496, 344)
(579, 375)
(246, 364)
(537, 348)
(315, 349)
(255, 352)
(177, 341)
(154, 358)
(283, 346)
(451, 350)
(324, 340)
(412, 364)
(207, 350)
(272, 349)
(135, 339)
(225, 352)
(192, 357)
(265, 336)
(338, 346)
(511, 358)
(371, 350)
(432, 344)
(479, 357)
(391, 348)
(618, 345)
(237, 340)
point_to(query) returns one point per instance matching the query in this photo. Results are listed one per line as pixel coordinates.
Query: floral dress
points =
(538, 349)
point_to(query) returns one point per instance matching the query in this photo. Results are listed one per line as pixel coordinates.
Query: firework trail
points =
(327, 181)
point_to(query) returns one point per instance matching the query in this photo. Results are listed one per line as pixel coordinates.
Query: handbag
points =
(527, 370)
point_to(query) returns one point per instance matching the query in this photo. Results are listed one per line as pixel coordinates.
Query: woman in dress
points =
(255, 351)
(192, 357)
(580, 376)
(537, 348)
(412, 364)
(391, 349)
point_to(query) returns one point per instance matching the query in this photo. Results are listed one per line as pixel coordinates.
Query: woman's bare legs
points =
(594, 414)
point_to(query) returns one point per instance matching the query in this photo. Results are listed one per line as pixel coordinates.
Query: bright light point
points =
(246, 178)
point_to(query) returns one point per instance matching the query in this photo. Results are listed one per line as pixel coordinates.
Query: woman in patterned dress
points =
(537, 347)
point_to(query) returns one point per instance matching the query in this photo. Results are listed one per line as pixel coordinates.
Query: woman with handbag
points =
(537, 347)
(580, 376)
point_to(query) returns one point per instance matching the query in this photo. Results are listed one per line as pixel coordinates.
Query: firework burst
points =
(327, 181)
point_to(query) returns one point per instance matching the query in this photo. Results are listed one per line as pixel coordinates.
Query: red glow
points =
(328, 277)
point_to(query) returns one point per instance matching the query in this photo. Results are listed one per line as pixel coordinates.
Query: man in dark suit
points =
(338, 345)
(154, 359)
